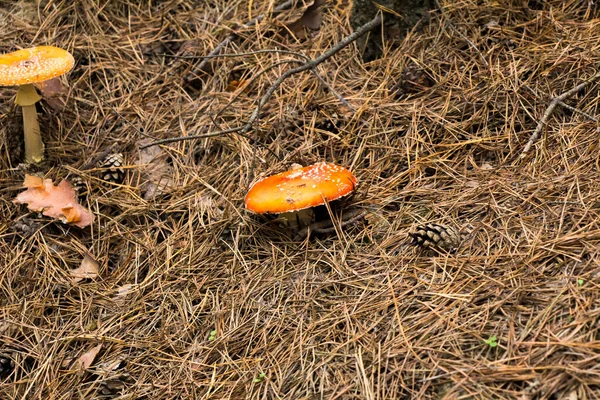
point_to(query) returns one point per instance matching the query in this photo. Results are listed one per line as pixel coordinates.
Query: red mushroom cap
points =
(300, 188)
(33, 65)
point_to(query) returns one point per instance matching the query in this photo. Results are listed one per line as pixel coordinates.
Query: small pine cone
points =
(7, 366)
(112, 166)
(330, 122)
(78, 184)
(111, 387)
(436, 236)
(25, 227)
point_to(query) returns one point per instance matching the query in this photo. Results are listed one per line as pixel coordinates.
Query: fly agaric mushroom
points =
(23, 68)
(293, 193)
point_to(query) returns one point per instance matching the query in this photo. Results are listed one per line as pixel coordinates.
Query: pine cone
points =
(7, 366)
(25, 227)
(414, 79)
(113, 168)
(436, 236)
(78, 184)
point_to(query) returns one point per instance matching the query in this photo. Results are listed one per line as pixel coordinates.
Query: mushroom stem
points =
(298, 219)
(34, 147)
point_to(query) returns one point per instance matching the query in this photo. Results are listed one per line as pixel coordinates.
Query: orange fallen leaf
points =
(88, 357)
(87, 269)
(53, 201)
(235, 85)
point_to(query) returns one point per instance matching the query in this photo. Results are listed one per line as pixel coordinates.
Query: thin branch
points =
(251, 53)
(244, 54)
(311, 64)
(203, 136)
(565, 105)
(455, 29)
(220, 46)
(556, 101)
(332, 90)
(578, 111)
(306, 66)
(254, 78)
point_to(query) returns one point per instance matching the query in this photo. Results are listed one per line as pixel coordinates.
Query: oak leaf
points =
(53, 201)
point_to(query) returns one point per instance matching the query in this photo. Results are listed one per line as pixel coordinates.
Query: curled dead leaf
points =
(310, 20)
(157, 174)
(52, 91)
(51, 88)
(86, 360)
(87, 270)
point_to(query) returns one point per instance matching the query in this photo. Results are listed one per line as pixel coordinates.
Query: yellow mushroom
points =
(23, 68)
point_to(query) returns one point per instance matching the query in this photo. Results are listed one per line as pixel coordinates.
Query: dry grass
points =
(354, 315)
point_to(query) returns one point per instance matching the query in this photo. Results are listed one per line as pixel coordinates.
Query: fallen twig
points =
(249, 53)
(565, 105)
(556, 101)
(230, 37)
(311, 64)
(462, 35)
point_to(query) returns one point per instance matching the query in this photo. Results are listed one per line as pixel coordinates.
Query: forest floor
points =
(190, 296)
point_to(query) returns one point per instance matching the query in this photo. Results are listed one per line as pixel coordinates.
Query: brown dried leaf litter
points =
(436, 139)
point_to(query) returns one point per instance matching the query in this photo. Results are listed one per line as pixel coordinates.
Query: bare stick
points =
(577, 110)
(309, 65)
(232, 36)
(461, 34)
(332, 90)
(250, 53)
(556, 101)
(306, 66)
(565, 105)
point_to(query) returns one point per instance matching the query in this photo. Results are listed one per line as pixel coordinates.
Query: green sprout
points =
(260, 378)
(492, 341)
(213, 335)
(580, 282)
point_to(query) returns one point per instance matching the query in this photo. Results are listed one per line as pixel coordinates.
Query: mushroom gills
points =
(297, 219)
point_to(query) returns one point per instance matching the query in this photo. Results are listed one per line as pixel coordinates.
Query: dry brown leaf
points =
(157, 174)
(311, 19)
(54, 201)
(87, 270)
(88, 357)
(52, 90)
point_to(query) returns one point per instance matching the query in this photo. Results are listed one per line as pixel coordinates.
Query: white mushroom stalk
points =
(23, 68)
(27, 96)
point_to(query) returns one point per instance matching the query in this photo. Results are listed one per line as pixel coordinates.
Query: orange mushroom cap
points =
(34, 65)
(300, 188)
